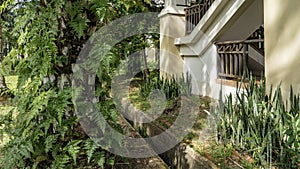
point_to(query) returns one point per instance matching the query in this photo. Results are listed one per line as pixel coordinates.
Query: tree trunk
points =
(157, 58)
(1, 42)
(2, 82)
(2, 79)
(146, 70)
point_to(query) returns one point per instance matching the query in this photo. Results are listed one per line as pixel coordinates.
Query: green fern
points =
(60, 162)
(73, 149)
(49, 142)
(100, 158)
(43, 127)
(90, 146)
(79, 25)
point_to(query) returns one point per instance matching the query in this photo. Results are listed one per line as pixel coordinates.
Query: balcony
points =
(195, 13)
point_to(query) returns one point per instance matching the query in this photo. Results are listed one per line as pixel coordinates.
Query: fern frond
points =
(73, 149)
(60, 162)
(90, 146)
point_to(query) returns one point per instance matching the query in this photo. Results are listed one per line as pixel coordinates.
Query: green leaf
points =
(60, 162)
(79, 25)
(26, 149)
(50, 140)
(111, 161)
(73, 149)
(101, 13)
(90, 146)
(100, 158)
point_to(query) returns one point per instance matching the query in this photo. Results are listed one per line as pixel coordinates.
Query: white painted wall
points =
(203, 70)
(236, 20)
(174, 2)
(197, 48)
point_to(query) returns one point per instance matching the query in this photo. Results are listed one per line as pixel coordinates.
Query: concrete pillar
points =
(172, 25)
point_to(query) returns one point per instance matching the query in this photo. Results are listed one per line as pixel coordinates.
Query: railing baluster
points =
(236, 64)
(240, 65)
(222, 64)
(233, 58)
(227, 65)
(245, 57)
(258, 34)
(231, 72)
(194, 14)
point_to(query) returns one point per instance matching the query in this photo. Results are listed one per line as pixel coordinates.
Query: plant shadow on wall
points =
(259, 124)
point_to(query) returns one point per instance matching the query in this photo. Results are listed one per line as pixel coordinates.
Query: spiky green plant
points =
(172, 87)
(260, 124)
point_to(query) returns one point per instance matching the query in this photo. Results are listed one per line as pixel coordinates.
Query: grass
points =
(142, 103)
(171, 110)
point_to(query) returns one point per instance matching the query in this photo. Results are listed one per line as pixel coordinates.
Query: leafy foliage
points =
(43, 129)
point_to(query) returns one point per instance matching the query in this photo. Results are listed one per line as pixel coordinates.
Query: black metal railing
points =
(195, 13)
(259, 35)
(233, 58)
(233, 55)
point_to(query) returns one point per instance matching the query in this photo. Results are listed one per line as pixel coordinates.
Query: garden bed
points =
(199, 147)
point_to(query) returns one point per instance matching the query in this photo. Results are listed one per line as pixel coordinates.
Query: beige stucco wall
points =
(282, 43)
(172, 25)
